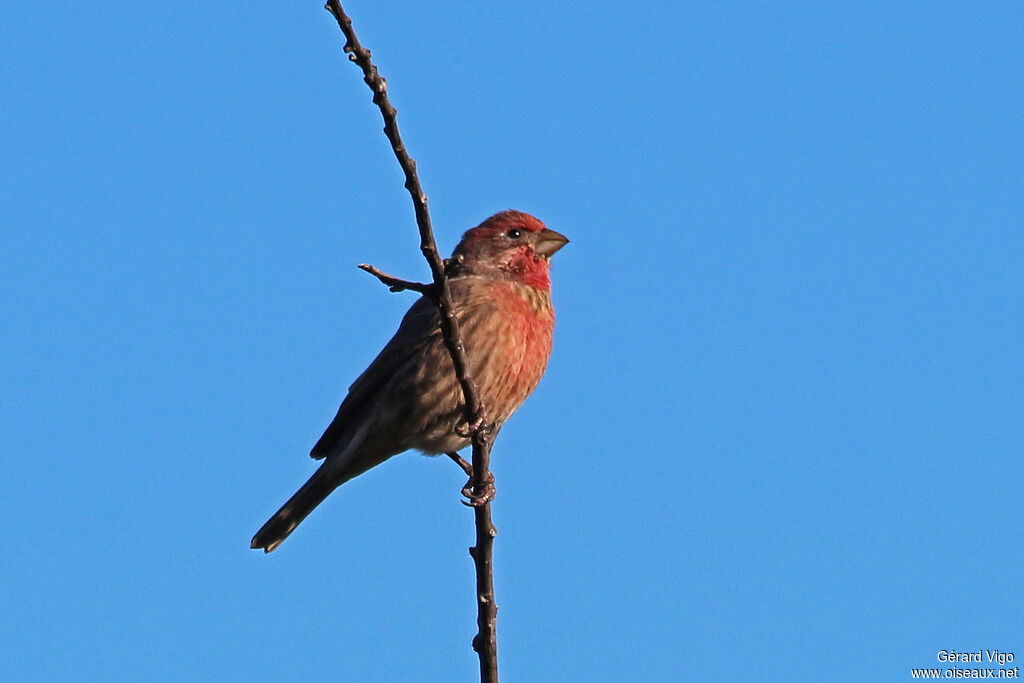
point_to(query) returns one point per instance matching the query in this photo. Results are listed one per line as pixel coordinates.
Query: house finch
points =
(409, 397)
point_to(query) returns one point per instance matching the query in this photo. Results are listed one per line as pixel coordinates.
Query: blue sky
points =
(780, 435)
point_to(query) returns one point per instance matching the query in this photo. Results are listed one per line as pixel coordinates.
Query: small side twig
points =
(482, 432)
(396, 284)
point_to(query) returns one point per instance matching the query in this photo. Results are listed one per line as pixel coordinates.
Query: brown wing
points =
(405, 347)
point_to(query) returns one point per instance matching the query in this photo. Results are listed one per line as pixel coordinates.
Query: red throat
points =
(528, 269)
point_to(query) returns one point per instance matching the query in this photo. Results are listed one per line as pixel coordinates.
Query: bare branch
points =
(483, 433)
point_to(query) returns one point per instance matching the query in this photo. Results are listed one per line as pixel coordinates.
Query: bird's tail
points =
(284, 521)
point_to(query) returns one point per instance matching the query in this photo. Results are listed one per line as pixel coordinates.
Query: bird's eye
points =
(513, 234)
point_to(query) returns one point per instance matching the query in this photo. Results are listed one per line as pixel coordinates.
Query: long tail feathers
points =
(284, 521)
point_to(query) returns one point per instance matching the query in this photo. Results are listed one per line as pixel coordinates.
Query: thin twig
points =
(483, 434)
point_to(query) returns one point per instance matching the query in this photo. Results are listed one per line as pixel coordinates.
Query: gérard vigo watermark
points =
(991, 656)
(997, 661)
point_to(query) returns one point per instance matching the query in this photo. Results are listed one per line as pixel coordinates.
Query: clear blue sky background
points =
(780, 435)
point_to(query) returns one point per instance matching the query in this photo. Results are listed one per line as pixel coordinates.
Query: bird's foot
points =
(474, 499)
(479, 424)
(485, 495)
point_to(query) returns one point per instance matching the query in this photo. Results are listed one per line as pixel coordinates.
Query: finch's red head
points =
(509, 245)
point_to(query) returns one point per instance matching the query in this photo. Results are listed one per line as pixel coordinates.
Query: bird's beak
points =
(548, 242)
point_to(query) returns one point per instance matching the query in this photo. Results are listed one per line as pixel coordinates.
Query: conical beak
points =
(548, 242)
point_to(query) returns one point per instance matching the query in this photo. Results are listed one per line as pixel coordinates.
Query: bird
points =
(409, 398)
